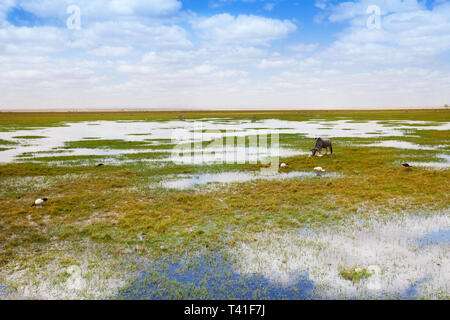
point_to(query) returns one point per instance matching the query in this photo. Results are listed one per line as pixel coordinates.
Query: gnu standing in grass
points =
(320, 144)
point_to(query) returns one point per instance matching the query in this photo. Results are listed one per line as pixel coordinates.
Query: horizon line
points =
(134, 109)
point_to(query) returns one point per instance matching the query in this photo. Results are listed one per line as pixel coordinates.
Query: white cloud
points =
(277, 63)
(26, 41)
(350, 10)
(248, 29)
(409, 34)
(129, 55)
(303, 47)
(107, 51)
(147, 7)
(269, 6)
(123, 33)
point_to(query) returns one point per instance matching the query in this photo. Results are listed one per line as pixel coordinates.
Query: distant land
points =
(132, 109)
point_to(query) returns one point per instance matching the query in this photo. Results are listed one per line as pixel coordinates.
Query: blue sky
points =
(224, 53)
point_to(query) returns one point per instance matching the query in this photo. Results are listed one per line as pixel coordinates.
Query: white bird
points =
(319, 171)
(283, 165)
(39, 202)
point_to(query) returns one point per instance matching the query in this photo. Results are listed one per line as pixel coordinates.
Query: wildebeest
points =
(320, 144)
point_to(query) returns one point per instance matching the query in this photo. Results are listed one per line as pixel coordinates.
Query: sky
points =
(224, 54)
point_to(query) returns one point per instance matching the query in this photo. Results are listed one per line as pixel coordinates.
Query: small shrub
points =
(354, 274)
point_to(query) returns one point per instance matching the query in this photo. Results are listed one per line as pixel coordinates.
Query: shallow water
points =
(434, 165)
(189, 182)
(229, 155)
(411, 252)
(435, 237)
(209, 277)
(190, 131)
(6, 291)
(400, 145)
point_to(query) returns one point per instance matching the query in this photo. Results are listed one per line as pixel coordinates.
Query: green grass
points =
(139, 134)
(13, 121)
(106, 144)
(354, 274)
(30, 137)
(7, 143)
(68, 158)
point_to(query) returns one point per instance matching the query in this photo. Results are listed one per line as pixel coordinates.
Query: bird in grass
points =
(406, 165)
(38, 202)
(319, 171)
(100, 164)
(283, 165)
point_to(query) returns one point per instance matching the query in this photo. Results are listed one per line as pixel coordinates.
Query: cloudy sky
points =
(233, 54)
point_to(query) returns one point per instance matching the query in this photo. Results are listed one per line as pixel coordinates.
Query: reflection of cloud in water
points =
(434, 165)
(56, 136)
(230, 155)
(396, 246)
(209, 277)
(306, 265)
(414, 146)
(435, 237)
(400, 145)
(188, 182)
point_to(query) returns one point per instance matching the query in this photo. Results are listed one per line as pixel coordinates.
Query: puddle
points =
(190, 182)
(55, 137)
(409, 269)
(83, 152)
(178, 156)
(435, 237)
(434, 165)
(230, 155)
(209, 277)
(305, 265)
(6, 291)
(400, 145)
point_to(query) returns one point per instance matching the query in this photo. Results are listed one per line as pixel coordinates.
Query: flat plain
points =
(145, 225)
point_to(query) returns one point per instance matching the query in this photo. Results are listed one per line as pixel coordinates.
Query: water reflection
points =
(209, 277)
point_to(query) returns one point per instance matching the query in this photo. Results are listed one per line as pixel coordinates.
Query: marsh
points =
(142, 210)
